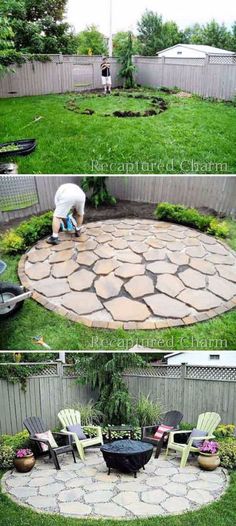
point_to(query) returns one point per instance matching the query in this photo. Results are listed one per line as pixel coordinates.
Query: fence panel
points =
(218, 193)
(197, 391)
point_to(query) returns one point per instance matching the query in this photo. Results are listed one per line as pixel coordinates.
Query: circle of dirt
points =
(158, 106)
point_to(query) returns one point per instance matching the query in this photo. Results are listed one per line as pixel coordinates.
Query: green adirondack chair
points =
(206, 422)
(72, 417)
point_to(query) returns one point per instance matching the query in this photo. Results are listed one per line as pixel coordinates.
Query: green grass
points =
(220, 513)
(17, 332)
(191, 130)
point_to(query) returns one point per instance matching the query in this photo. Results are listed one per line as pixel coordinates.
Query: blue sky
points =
(81, 13)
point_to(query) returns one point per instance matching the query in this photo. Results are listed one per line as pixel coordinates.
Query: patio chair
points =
(171, 419)
(71, 417)
(206, 425)
(34, 426)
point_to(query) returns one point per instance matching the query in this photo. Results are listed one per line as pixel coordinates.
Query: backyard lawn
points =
(59, 333)
(191, 136)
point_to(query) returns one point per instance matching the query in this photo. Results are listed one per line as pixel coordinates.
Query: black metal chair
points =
(171, 418)
(34, 425)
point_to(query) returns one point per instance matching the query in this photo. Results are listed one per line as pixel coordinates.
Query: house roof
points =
(170, 354)
(203, 49)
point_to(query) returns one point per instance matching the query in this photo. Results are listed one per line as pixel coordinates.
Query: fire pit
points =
(127, 456)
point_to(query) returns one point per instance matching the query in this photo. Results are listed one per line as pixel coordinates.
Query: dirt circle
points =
(157, 105)
(134, 274)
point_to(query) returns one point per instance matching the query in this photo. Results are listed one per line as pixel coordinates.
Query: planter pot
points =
(208, 462)
(23, 465)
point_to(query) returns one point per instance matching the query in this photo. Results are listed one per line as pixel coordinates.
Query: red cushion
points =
(161, 430)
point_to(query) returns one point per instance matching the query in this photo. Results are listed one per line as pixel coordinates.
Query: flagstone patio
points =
(86, 490)
(135, 274)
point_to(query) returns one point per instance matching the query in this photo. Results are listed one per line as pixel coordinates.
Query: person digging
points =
(106, 75)
(69, 197)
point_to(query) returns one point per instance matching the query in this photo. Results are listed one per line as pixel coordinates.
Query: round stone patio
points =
(135, 274)
(86, 490)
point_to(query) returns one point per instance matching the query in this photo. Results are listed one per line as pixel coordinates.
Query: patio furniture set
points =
(127, 456)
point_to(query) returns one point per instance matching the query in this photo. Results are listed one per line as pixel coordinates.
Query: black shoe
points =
(78, 233)
(53, 240)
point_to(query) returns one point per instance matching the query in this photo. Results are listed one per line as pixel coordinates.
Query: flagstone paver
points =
(139, 286)
(38, 271)
(52, 287)
(38, 256)
(137, 273)
(63, 270)
(169, 284)
(119, 495)
(60, 257)
(123, 309)
(162, 305)
(193, 279)
(81, 280)
(82, 302)
(108, 286)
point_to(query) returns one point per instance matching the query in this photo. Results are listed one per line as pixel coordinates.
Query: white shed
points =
(220, 358)
(192, 51)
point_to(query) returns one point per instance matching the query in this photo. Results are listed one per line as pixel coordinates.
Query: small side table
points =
(128, 429)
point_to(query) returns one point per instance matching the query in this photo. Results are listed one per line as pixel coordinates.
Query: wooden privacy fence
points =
(187, 388)
(214, 76)
(216, 192)
(61, 74)
(48, 391)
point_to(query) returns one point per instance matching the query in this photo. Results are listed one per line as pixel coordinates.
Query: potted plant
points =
(209, 458)
(24, 460)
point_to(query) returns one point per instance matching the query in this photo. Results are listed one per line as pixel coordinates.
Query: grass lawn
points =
(190, 131)
(220, 513)
(16, 333)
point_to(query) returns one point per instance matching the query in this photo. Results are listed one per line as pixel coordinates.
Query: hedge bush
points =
(227, 453)
(7, 454)
(191, 217)
(18, 239)
(18, 441)
(224, 430)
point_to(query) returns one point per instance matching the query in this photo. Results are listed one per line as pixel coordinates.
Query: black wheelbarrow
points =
(11, 296)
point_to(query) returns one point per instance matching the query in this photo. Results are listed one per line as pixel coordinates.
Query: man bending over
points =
(69, 197)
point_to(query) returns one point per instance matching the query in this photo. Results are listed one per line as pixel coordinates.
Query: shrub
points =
(12, 242)
(100, 195)
(26, 234)
(119, 435)
(184, 426)
(17, 441)
(227, 453)
(7, 455)
(89, 413)
(191, 217)
(146, 411)
(224, 430)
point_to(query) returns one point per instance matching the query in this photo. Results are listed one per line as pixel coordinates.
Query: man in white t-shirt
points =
(69, 197)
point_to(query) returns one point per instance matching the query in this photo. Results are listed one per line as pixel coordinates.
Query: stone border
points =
(128, 326)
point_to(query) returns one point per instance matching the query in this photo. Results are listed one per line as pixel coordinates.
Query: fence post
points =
(183, 376)
(60, 368)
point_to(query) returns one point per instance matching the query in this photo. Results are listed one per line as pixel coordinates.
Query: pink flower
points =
(210, 447)
(22, 453)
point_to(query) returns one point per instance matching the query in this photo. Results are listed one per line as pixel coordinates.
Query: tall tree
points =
(126, 60)
(38, 26)
(171, 34)
(150, 33)
(120, 41)
(91, 42)
(104, 372)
